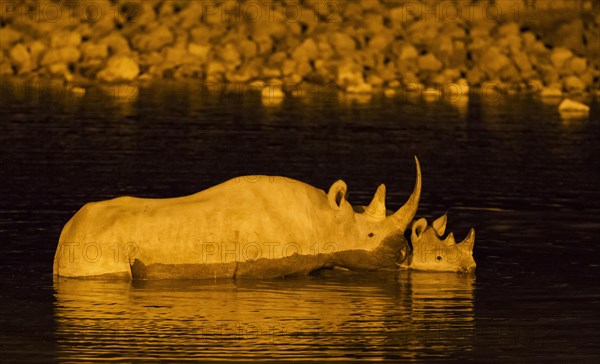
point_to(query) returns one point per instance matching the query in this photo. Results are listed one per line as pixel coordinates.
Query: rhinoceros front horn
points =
(401, 218)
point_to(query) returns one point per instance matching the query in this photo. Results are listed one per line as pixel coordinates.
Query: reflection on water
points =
(380, 316)
(526, 179)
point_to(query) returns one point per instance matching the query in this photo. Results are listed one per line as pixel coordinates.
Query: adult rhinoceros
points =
(253, 226)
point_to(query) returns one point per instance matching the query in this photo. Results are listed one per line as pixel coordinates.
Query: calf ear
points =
(337, 195)
(417, 229)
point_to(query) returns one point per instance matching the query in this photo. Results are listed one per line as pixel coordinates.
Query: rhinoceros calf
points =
(253, 226)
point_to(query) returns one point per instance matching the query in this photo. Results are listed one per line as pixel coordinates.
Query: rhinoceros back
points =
(245, 218)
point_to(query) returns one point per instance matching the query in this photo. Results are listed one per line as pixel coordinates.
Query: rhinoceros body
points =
(253, 226)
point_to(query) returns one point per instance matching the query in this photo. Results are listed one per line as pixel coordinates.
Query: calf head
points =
(432, 252)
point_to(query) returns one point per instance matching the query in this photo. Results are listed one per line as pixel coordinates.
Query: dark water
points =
(511, 167)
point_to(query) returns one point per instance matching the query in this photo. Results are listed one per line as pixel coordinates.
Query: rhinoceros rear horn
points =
(376, 209)
(440, 224)
(401, 218)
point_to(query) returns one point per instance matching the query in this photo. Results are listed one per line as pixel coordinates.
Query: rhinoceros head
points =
(375, 221)
(432, 252)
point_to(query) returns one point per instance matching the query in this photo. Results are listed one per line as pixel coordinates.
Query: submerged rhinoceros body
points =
(254, 226)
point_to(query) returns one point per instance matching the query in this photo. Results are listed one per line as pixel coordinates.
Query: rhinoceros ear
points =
(337, 194)
(417, 229)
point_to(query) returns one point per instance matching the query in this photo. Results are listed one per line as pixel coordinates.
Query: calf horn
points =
(401, 218)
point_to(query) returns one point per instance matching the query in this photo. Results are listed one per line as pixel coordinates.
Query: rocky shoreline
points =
(359, 46)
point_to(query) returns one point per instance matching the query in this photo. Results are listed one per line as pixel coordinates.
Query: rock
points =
(574, 84)
(509, 29)
(349, 73)
(589, 77)
(551, 92)
(342, 43)
(119, 68)
(387, 72)
(493, 60)
(389, 92)
(65, 55)
(77, 90)
(5, 67)
(569, 35)
(394, 84)
(407, 51)
(353, 12)
(325, 50)
(409, 78)
(116, 43)
(510, 74)
(9, 37)
(480, 30)
(214, 71)
(512, 42)
(372, 5)
(576, 65)
(276, 59)
(65, 39)
(573, 106)
(264, 44)
(454, 30)
(200, 34)
(373, 23)
(154, 40)
(529, 39)
(375, 81)
(177, 56)
(191, 15)
(361, 88)
(288, 67)
(36, 49)
(61, 69)
(428, 62)
(443, 46)
(306, 50)
(475, 75)
(200, 52)
(399, 15)
(461, 87)
(379, 42)
(523, 64)
(20, 57)
(451, 74)
(247, 48)
(272, 93)
(458, 58)
(535, 86)
(90, 50)
(432, 94)
(423, 34)
(309, 20)
(559, 56)
(303, 67)
(230, 56)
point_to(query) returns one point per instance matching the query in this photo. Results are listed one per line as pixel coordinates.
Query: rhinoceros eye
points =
(438, 258)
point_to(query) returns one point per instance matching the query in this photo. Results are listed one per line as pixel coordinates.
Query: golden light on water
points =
(413, 311)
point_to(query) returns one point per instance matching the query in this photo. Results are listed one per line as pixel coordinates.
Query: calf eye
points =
(371, 235)
(438, 258)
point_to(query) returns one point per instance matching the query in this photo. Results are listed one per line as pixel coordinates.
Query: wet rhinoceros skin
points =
(252, 226)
